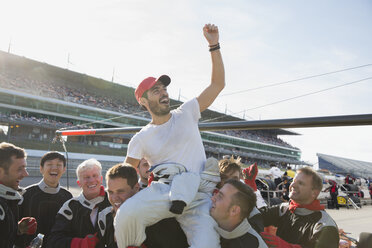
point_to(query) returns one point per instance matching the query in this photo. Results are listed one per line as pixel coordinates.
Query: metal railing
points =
(325, 121)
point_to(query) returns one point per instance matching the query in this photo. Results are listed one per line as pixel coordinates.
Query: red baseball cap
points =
(147, 84)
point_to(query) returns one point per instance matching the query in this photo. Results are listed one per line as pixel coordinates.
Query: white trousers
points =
(152, 204)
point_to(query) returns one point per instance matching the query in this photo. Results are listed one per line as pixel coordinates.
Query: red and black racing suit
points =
(304, 227)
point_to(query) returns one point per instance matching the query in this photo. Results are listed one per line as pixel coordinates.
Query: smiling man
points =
(43, 200)
(302, 222)
(76, 222)
(12, 171)
(122, 183)
(231, 208)
(171, 140)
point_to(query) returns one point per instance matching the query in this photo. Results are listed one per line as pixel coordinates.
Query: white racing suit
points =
(152, 204)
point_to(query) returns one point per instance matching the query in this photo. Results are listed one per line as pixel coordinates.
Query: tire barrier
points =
(265, 185)
(350, 187)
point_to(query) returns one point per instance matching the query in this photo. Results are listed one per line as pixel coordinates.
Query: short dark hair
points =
(317, 180)
(7, 151)
(125, 171)
(245, 198)
(145, 96)
(52, 155)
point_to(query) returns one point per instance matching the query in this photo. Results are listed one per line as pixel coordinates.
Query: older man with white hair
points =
(76, 222)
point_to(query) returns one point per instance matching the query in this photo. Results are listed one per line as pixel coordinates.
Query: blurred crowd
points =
(58, 90)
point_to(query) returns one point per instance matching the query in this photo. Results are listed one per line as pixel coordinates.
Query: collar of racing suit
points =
(47, 189)
(313, 206)
(90, 203)
(239, 231)
(10, 194)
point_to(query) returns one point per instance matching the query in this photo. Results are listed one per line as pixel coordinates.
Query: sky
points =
(262, 43)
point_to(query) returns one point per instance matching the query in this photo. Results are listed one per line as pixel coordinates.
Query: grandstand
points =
(36, 99)
(74, 159)
(345, 166)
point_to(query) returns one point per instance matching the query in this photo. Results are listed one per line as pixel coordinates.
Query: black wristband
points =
(214, 48)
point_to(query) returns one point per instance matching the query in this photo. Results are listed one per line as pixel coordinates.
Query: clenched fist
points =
(211, 34)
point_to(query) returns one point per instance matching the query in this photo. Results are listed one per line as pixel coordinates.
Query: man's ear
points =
(136, 187)
(78, 183)
(143, 101)
(315, 193)
(234, 210)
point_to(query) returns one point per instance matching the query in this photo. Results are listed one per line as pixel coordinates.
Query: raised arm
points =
(207, 97)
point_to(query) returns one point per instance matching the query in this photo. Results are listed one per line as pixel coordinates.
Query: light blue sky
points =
(262, 42)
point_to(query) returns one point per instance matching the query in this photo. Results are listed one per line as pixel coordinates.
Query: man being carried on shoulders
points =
(172, 145)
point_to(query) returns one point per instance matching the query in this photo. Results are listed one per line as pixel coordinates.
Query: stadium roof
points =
(282, 132)
(345, 165)
(24, 66)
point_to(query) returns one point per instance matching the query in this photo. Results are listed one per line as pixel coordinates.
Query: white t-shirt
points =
(178, 140)
(260, 200)
(275, 172)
